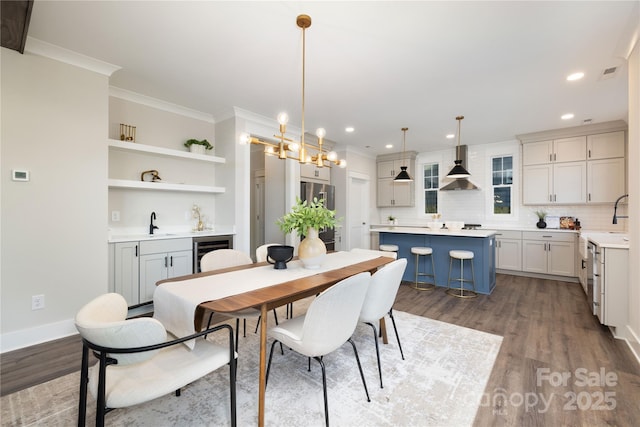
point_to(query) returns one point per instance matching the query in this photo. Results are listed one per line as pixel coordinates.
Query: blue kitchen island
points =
(480, 242)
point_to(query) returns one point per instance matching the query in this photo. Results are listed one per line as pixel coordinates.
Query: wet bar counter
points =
(480, 242)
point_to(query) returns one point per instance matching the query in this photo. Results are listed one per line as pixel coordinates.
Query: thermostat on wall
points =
(18, 175)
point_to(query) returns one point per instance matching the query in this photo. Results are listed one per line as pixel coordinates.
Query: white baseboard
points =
(633, 342)
(28, 337)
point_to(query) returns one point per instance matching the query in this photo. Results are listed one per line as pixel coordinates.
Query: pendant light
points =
(403, 176)
(458, 170)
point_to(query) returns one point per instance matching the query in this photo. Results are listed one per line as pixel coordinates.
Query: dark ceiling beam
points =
(15, 16)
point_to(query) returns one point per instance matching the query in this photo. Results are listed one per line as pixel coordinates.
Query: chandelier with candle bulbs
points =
(288, 148)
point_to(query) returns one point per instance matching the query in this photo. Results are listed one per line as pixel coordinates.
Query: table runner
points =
(175, 303)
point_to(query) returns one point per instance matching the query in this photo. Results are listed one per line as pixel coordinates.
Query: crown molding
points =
(159, 104)
(48, 50)
(568, 132)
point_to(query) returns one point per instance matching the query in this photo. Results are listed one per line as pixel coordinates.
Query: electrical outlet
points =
(37, 302)
(115, 216)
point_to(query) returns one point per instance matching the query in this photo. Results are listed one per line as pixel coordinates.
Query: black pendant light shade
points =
(403, 176)
(458, 170)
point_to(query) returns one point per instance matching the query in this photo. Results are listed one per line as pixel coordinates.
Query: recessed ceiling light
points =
(349, 129)
(388, 146)
(451, 136)
(575, 76)
(567, 116)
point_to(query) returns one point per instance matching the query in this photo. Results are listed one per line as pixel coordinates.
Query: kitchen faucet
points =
(615, 208)
(151, 226)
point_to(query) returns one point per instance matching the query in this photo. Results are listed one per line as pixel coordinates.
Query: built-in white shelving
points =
(132, 146)
(163, 186)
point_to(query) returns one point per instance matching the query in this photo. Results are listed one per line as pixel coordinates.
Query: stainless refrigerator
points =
(309, 190)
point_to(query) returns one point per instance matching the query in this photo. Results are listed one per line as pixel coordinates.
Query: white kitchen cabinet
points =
(554, 151)
(163, 259)
(156, 267)
(138, 265)
(391, 168)
(605, 180)
(605, 145)
(562, 183)
(548, 253)
(395, 194)
(389, 192)
(509, 250)
(310, 172)
(125, 271)
(613, 290)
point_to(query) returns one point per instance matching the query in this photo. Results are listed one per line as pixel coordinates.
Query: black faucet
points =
(151, 226)
(615, 208)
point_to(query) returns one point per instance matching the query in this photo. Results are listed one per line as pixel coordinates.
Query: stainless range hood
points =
(460, 183)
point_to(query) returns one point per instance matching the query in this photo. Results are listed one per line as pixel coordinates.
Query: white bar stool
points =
(461, 291)
(419, 251)
(390, 248)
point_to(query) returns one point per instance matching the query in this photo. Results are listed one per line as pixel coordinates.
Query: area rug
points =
(440, 383)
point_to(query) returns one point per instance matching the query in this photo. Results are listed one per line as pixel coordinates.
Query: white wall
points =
(54, 228)
(634, 199)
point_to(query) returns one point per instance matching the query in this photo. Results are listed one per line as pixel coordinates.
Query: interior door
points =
(358, 213)
(259, 212)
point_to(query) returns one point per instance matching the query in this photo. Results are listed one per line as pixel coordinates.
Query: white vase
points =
(197, 149)
(312, 250)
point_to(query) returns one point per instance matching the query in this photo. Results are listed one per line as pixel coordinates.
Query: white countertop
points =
(172, 235)
(607, 239)
(491, 227)
(424, 230)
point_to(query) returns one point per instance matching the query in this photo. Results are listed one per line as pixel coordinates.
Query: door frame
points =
(346, 236)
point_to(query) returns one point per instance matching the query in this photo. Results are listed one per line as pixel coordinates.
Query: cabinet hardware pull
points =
(171, 264)
(136, 251)
(547, 236)
(589, 153)
(165, 262)
(589, 196)
(550, 157)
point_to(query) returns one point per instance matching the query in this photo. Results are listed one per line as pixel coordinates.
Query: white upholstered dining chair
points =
(137, 363)
(261, 252)
(225, 258)
(380, 298)
(328, 323)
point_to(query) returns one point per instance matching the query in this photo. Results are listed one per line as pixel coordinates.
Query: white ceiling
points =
(377, 66)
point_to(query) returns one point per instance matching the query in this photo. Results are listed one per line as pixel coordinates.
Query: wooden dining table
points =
(273, 296)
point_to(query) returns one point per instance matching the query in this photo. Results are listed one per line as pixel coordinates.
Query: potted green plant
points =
(306, 219)
(541, 214)
(392, 219)
(197, 146)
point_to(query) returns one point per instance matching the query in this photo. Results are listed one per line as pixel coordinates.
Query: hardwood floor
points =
(551, 343)
(554, 357)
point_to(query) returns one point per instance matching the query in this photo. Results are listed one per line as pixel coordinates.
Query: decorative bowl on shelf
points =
(454, 225)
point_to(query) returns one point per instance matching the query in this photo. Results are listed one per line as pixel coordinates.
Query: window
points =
(431, 182)
(502, 169)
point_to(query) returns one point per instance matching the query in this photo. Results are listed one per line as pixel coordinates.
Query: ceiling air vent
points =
(608, 73)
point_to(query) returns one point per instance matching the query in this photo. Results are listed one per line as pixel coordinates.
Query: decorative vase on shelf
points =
(541, 224)
(312, 250)
(197, 149)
